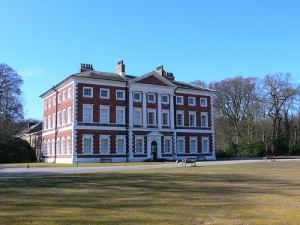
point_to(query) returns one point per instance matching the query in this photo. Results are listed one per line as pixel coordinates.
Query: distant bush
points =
(16, 150)
(233, 150)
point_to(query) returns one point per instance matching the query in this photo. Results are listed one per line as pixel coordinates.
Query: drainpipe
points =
(55, 128)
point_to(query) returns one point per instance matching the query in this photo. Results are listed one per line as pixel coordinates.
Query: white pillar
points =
(159, 113)
(130, 116)
(144, 110)
(172, 111)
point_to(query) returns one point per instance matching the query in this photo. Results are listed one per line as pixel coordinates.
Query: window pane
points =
(87, 113)
(104, 116)
(120, 145)
(87, 145)
(137, 117)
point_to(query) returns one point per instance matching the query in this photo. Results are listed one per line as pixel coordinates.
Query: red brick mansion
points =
(97, 116)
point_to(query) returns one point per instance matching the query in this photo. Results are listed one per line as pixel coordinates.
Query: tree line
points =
(256, 117)
(12, 149)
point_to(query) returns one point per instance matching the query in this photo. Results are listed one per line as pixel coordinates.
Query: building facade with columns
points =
(97, 116)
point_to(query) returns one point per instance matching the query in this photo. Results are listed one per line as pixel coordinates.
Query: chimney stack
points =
(85, 67)
(165, 74)
(120, 68)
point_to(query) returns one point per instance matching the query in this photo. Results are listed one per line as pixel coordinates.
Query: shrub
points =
(16, 150)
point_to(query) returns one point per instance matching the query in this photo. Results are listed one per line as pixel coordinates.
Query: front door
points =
(154, 150)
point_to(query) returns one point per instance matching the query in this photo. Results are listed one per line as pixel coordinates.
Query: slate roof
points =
(34, 128)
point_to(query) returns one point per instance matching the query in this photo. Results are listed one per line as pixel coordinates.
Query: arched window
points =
(69, 145)
(53, 147)
(58, 147)
(48, 148)
(63, 146)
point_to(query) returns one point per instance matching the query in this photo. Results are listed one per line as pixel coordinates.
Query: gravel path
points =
(23, 172)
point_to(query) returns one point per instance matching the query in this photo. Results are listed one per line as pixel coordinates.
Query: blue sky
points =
(209, 40)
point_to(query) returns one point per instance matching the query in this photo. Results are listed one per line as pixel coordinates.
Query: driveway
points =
(23, 172)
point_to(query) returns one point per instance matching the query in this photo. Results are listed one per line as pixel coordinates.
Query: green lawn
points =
(260, 193)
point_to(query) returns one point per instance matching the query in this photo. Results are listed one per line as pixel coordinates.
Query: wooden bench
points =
(271, 158)
(189, 160)
(105, 160)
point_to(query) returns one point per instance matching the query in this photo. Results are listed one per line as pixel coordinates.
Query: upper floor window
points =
(104, 93)
(69, 92)
(151, 117)
(120, 95)
(49, 103)
(192, 101)
(64, 117)
(165, 118)
(64, 96)
(137, 116)
(45, 105)
(204, 120)
(87, 113)
(87, 92)
(151, 98)
(179, 118)
(120, 115)
(165, 99)
(104, 114)
(203, 102)
(137, 96)
(179, 100)
(69, 115)
(59, 99)
(54, 100)
(192, 119)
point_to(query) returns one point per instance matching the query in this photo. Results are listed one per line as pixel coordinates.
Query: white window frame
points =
(87, 96)
(49, 104)
(64, 96)
(135, 121)
(48, 147)
(45, 123)
(123, 150)
(107, 137)
(88, 106)
(165, 102)
(192, 103)
(168, 119)
(63, 146)
(69, 145)
(54, 119)
(59, 99)
(104, 89)
(105, 107)
(69, 93)
(120, 91)
(177, 100)
(69, 115)
(143, 144)
(154, 97)
(180, 138)
(54, 101)
(196, 145)
(59, 118)
(154, 116)
(192, 113)
(180, 112)
(64, 117)
(45, 105)
(140, 96)
(58, 147)
(91, 137)
(205, 102)
(168, 138)
(202, 144)
(120, 108)
(53, 147)
(206, 119)
(49, 122)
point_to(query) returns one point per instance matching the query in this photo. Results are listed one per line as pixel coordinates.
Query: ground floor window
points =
(205, 144)
(104, 144)
(193, 144)
(120, 144)
(87, 144)
(139, 145)
(180, 145)
(168, 145)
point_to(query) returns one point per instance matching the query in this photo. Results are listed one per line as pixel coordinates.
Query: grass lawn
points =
(258, 193)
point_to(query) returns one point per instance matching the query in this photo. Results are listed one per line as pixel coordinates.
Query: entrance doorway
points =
(154, 150)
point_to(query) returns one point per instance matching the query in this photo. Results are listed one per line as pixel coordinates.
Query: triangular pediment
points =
(155, 134)
(153, 78)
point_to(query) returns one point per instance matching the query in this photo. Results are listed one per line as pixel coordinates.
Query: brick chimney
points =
(85, 67)
(165, 74)
(120, 68)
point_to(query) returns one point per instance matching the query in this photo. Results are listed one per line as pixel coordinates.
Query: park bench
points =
(105, 160)
(271, 158)
(189, 160)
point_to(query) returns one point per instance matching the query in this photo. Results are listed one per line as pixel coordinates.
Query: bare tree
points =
(279, 91)
(11, 109)
(233, 98)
